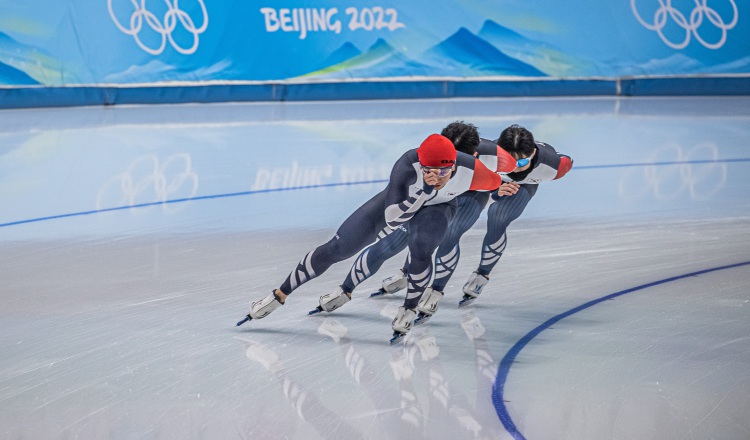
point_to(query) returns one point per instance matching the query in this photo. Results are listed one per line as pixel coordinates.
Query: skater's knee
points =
(335, 250)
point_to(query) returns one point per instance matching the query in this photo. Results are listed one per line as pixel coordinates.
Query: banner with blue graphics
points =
(121, 42)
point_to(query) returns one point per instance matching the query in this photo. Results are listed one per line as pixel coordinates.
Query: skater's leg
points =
(426, 230)
(357, 231)
(500, 215)
(470, 206)
(366, 264)
(369, 261)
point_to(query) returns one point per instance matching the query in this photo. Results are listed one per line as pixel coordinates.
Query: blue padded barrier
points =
(36, 96)
(680, 86)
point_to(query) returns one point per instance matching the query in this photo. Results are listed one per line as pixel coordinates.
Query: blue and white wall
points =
(112, 51)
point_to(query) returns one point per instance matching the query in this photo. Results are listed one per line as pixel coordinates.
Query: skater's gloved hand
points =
(508, 189)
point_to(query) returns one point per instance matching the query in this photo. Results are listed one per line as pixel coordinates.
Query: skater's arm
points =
(494, 157)
(484, 179)
(505, 162)
(556, 162)
(566, 163)
(403, 210)
(400, 206)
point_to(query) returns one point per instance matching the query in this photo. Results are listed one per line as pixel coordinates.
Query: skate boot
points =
(262, 308)
(402, 323)
(428, 305)
(392, 284)
(473, 288)
(332, 301)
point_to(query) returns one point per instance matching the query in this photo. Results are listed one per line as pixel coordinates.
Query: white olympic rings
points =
(163, 28)
(696, 171)
(691, 26)
(148, 181)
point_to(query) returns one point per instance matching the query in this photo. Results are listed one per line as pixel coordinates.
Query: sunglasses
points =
(523, 162)
(441, 172)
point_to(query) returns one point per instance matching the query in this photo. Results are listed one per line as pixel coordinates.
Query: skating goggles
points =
(523, 162)
(441, 172)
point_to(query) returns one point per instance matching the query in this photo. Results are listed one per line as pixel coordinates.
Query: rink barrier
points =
(66, 96)
(498, 389)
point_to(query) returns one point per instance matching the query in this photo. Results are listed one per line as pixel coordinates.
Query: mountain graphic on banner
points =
(24, 64)
(12, 76)
(466, 54)
(463, 54)
(156, 70)
(343, 53)
(543, 56)
(380, 60)
(13, 52)
(675, 64)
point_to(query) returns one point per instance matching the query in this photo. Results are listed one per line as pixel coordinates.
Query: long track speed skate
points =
(466, 300)
(391, 285)
(402, 323)
(262, 308)
(397, 337)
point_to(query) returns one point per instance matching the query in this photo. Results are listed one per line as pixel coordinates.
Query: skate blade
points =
(422, 318)
(247, 318)
(315, 311)
(466, 301)
(380, 292)
(397, 337)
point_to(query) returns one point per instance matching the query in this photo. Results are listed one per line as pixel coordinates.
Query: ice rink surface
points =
(132, 239)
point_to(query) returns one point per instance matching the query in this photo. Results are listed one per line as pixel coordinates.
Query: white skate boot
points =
(262, 308)
(392, 284)
(428, 305)
(402, 323)
(332, 301)
(473, 288)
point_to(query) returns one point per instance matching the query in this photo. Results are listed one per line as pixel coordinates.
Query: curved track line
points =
(504, 368)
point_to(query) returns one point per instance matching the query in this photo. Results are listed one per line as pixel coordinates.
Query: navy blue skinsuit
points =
(405, 199)
(546, 165)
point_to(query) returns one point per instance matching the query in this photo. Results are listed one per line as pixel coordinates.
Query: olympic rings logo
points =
(146, 178)
(164, 28)
(700, 12)
(667, 182)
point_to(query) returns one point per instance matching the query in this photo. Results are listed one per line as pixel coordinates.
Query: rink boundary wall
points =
(67, 96)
